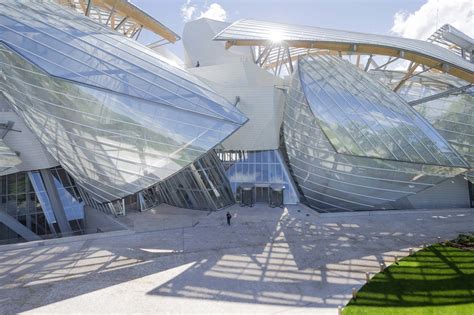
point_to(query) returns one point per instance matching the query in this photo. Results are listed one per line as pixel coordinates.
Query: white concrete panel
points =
(166, 54)
(199, 46)
(261, 100)
(452, 193)
(32, 153)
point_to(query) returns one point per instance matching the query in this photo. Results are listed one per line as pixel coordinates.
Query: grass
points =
(435, 280)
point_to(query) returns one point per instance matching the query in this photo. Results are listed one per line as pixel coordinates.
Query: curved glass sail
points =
(113, 114)
(361, 117)
(331, 181)
(452, 115)
(68, 45)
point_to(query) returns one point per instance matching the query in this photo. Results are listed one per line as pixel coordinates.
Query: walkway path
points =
(285, 261)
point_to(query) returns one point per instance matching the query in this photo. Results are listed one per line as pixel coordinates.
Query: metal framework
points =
(449, 38)
(275, 44)
(121, 16)
(453, 39)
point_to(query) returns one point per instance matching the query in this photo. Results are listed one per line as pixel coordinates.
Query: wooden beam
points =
(407, 75)
(372, 49)
(124, 8)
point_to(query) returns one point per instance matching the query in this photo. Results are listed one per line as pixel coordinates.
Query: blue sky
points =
(414, 18)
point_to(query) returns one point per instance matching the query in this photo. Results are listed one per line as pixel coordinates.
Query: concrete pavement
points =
(175, 261)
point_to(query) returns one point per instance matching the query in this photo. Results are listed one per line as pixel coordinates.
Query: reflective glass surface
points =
(452, 115)
(361, 117)
(260, 168)
(112, 144)
(203, 185)
(39, 188)
(339, 182)
(20, 200)
(69, 197)
(69, 45)
(24, 197)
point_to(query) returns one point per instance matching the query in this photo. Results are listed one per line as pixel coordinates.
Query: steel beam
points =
(56, 203)
(440, 95)
(17, 227)
(367, 48)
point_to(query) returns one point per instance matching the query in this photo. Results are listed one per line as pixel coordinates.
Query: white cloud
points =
(187, 11)
(215, 11)
(432, 15)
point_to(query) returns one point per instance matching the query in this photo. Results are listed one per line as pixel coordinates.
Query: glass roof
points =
(452, 115)
(70, 46)
(123, 16)
(362, 117)
(114, 114)
(253, 30)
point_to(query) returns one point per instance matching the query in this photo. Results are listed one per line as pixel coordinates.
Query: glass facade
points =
(203, 185)
(361, 117)
(71, 46)
(110, 111)
(24, 197)
(134, 131)
(331, 181)
(69, 197)
(260, 168)
(452, 116)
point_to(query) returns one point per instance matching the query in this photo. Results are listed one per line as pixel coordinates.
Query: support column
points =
(56, 203)
(17, 227)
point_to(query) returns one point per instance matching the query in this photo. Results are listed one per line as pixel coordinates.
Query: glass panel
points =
(38, 185)
(69, 45)
(113, 145)
(258, 167)
(331, 181)
(361, 117)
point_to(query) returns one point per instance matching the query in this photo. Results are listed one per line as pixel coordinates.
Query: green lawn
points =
(435, 280)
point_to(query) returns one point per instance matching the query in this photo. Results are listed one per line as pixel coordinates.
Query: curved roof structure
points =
(108, 109)
(333, 180)
(249, 32)
(122, 16)
(362, 117)
(73, 47)
(452, 115)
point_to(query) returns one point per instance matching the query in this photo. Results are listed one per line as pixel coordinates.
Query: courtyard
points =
(270, 261)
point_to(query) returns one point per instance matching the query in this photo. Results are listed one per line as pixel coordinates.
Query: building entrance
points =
(262, 194)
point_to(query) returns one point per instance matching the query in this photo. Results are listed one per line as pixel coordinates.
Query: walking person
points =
(228, 216)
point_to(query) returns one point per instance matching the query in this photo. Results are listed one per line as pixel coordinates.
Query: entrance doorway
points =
(262, 194)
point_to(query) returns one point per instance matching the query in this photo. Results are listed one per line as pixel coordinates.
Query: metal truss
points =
(121, 16)
(275, 56)
(448, 92)
(451, 38)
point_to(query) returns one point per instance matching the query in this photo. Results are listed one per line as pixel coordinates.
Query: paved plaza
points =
(270, 261)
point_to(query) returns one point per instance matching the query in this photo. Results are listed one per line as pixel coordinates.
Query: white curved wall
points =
(32, 153)
(199, 46)
(261, 100)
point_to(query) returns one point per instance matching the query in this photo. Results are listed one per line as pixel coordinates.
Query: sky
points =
(407, 18)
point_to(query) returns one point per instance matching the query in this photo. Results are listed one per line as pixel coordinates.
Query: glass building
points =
(261, 169)
(350, 148)
(93, 121)
(28, 197)
(112, 113)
